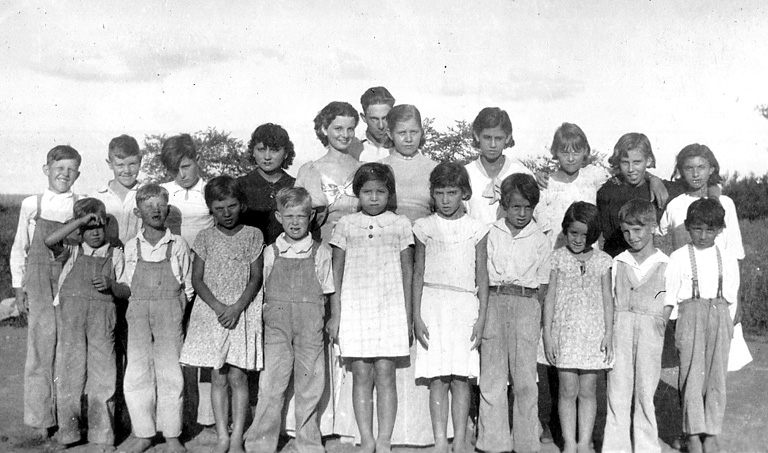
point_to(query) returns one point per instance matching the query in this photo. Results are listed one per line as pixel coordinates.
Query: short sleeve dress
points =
(373, 321)
(578, 324)
(449, 303)
(227, 270)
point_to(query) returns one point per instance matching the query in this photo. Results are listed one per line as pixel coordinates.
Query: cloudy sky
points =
(80, 73)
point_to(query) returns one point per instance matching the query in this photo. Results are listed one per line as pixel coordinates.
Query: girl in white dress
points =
(450, 295)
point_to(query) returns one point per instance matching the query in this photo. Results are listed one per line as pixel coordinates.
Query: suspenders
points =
(695, 279)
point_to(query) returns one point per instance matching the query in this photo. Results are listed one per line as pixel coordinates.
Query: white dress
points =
(449, 304)
(484, 203)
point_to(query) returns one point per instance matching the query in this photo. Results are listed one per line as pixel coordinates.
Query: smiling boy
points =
(376, 103)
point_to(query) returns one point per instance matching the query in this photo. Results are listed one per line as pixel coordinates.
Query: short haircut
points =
(629, 142)
(569, 136)
(63, 152)
(697, 150)
(292, 197)
(85, 206)
(175, 149)
(523, 184)
(450, 174)
(585, 213)
(123, 146)
(402, 113)
(638, 212)
(222, 187)
(329, 113)
(150, 191)
(374, 96)
(708, 211)
(375, 171)
(275, 137)
(491, 117)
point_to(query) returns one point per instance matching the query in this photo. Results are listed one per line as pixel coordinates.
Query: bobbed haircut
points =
(523, 184)
(585, 213)
(223, 187)
(374, 96)
(174, 150)
(375, 171)
(63, 152)
(402, 113)
(292, 197)
(85, 206)
(638, 212)
(329, 113)
(123, 146)
(275, 137)
(698, 150)
(450, 174)
(629, 142)
(708, 211)
(569, 136)
(491, 117)
(150, 191)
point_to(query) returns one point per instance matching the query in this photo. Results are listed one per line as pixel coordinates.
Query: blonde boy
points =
(35, 273)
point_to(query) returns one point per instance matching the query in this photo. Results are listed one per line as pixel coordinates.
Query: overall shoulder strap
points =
(138, 248)
(39, 206)
(719, 273)
(168, 250)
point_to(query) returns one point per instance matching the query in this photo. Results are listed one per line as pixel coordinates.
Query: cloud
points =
(518, 86)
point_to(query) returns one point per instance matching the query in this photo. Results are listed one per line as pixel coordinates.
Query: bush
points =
(754, 277)
(749, 194)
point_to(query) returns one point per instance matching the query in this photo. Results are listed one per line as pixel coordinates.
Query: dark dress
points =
(260, 199)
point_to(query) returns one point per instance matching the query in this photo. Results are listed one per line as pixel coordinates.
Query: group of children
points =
(486, 274)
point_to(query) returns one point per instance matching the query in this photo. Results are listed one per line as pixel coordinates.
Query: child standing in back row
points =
(450, 289)
(578, 322)
(35, 273)
(371, 310)
(225, 325)
(638, 338)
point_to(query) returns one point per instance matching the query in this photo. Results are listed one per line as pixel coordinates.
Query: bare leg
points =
(362, 402)
(460, 400)
(386, 402)
(220, 403)
(566, 407)
(238, 382)
(438, 411)
(174, 446)
(587, 409)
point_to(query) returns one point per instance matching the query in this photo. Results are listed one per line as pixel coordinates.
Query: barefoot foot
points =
(174, 446)
(222, 445)
(135, 445)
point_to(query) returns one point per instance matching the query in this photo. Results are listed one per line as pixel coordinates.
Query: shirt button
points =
(370, 236)
(370, 226)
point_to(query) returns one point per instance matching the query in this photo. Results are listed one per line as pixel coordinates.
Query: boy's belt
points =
(514, 290)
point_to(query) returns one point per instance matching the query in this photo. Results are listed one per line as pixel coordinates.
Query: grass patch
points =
(754, 277)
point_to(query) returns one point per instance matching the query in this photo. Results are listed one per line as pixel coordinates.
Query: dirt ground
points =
(745, 430)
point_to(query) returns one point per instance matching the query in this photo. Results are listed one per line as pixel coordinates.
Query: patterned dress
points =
(578, 324)
(373, 320)
(227, 270)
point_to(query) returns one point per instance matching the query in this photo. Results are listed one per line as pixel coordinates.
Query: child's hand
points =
(332, 328)
(542, 179)
(606, 347)
(550, 349)
(659, 194)
(90, 219)
(102, 283)
(421, 332)
(229, 316)
(738, 315)
(477, 335)
(21, 300)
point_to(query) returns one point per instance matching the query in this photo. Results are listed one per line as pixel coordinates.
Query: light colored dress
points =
(578, 324)
(227, 271)
(558, 197)
(449, 303)
(373, 321)
(486, 191)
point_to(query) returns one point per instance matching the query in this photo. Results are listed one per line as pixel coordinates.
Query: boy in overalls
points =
(35, 274)
(158, 271)
(86, 362)
(297, 275)
(702, 284)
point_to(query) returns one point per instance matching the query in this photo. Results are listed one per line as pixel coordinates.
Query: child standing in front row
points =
(86, 362)
(35, 273)
(578, 322)
(158, 271)
(702, 283)
(638, 338)
(519, 261)
(298, 274)
(225, 325)
(371, 311)
(450, 293)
